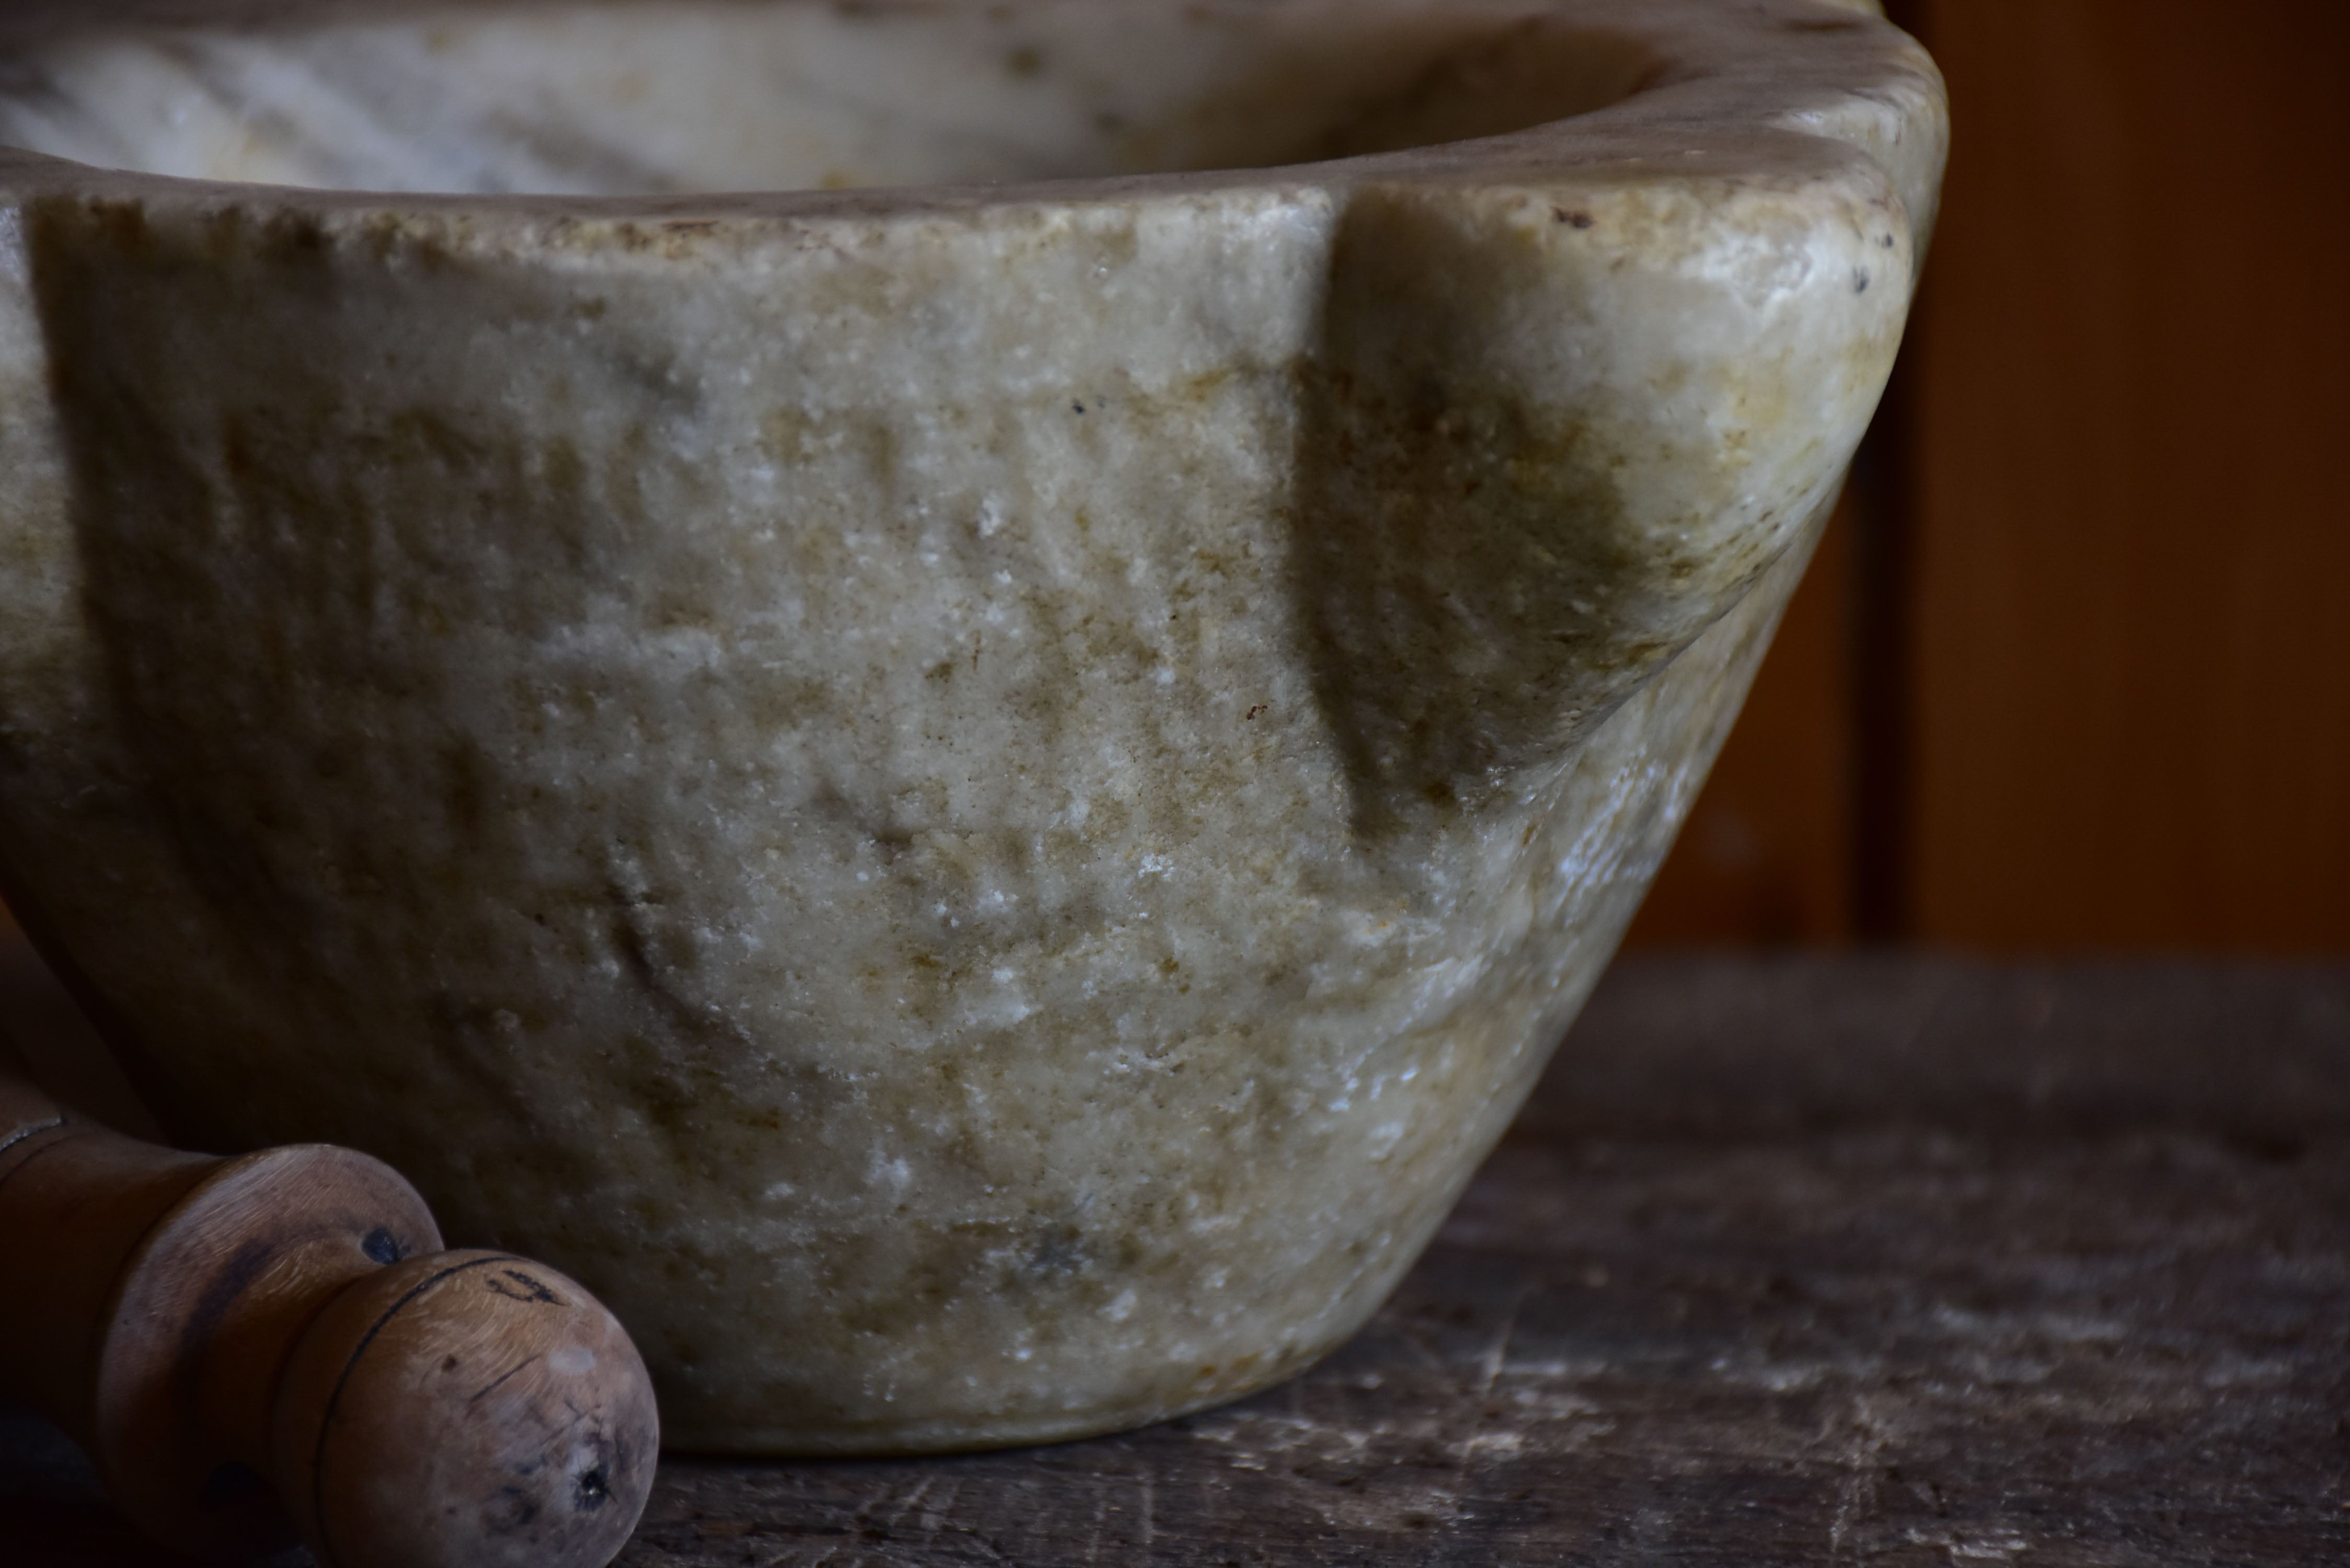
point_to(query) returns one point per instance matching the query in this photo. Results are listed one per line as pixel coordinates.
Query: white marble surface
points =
(973, 802)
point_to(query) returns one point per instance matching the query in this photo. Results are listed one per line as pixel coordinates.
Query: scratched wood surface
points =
(1889, 1261)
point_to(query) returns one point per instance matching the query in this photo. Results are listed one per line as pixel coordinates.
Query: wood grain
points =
(273, 1344)
(2096, 691)
(1899, 1262)
(2132, 673)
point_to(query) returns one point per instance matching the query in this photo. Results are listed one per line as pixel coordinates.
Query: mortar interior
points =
(646, 97)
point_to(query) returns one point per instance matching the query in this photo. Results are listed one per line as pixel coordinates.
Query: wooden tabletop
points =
(1893, 1260)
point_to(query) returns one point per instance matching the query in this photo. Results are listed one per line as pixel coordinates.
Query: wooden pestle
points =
(274, 1346)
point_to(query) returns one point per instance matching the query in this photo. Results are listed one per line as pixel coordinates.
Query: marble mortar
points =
(971, 784)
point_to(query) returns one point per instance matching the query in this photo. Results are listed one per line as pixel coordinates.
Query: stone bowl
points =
(973, 783)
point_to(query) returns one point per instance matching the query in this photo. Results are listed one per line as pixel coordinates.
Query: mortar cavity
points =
(641, 97)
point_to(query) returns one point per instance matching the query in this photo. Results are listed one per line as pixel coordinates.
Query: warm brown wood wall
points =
(2086, 676)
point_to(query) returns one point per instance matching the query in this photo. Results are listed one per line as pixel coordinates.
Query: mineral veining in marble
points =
(973, 802)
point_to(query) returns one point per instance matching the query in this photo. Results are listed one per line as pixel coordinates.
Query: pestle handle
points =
(277, 1344)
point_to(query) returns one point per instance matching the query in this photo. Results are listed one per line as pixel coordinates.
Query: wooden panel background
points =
(2090, 684)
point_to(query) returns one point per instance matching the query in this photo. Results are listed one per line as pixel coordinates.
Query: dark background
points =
(2072, 670)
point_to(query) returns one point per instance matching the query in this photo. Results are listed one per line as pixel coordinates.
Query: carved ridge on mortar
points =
(1520, 423)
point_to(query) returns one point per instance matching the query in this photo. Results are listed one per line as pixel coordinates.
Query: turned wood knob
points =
(276, 1345)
